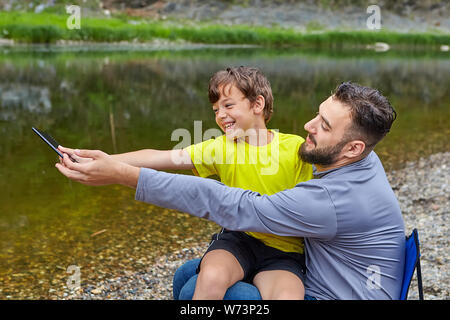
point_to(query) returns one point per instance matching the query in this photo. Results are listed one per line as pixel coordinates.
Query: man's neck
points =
(338, 164)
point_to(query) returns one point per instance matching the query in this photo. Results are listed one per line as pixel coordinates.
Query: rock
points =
(97, 291)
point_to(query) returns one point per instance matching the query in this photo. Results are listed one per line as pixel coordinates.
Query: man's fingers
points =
(74, 175)
(66, 150)
(72, 154)
(94, 154)
(72, 165)
(80, 159)
(69, 151)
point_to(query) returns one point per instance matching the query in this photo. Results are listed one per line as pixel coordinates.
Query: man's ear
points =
(258, 105)
(354, 148)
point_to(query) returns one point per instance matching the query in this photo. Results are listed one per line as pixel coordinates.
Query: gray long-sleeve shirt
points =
(350, 218)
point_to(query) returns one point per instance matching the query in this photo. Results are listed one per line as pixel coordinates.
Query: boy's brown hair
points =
(250, 81)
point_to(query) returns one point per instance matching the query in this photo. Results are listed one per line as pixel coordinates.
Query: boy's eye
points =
(228, 105)
(215, 110)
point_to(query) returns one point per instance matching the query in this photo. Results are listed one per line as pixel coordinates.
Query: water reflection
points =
(119, 102)
(14, 96)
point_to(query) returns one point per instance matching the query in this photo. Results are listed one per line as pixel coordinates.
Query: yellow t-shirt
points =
(265, 169)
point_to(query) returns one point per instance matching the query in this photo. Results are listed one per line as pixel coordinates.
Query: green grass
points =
(49, 27)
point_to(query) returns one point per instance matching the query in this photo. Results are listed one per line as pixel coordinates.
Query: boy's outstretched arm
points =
(178, 159)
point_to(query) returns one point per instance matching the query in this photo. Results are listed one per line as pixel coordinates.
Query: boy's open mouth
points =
(228, 125)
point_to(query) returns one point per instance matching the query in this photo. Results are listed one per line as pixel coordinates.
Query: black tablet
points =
(50, 141)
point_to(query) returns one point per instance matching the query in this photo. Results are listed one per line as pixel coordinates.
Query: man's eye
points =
(324, 128)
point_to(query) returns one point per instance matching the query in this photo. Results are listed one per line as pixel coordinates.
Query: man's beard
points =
(321, 156)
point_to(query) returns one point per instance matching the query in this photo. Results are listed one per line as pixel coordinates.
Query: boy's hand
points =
(99, 170)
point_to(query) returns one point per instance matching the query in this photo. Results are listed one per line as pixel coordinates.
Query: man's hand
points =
(96, 168)
(72, 154)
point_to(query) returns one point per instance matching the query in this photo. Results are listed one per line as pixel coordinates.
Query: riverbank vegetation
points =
(45, 27)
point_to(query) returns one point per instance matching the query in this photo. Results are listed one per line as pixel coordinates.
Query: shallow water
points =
(123, 101)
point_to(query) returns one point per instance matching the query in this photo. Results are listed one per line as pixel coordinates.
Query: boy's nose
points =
(221, 114)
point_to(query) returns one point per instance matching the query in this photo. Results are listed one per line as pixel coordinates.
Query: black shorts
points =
(254, 256)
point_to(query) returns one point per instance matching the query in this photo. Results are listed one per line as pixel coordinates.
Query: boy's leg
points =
(239, 291)
(219, 270)
(280, 275)
(279, 285)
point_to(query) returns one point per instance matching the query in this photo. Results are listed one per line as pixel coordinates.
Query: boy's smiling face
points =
(235, 114)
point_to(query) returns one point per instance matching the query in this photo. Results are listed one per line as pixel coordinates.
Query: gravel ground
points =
(423, 190)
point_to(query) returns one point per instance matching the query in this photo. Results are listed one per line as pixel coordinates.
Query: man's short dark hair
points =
(372, 114)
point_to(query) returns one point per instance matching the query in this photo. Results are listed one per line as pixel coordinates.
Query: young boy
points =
(248, 156)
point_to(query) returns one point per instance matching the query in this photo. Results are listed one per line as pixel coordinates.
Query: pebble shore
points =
(422, 188)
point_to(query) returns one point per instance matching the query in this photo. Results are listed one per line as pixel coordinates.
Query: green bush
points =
(33, 34)
(47, 28)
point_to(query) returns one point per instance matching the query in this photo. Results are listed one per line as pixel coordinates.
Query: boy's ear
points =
(258, 105)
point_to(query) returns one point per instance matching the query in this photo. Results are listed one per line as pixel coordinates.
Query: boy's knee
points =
(215, 276)
(212, 283)
(287, 295)
(285, 292)
(219, 270)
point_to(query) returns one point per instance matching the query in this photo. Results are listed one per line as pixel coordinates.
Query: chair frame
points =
(417, 267)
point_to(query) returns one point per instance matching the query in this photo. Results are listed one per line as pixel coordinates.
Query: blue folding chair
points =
(412, 262)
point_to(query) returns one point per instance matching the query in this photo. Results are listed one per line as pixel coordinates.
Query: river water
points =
(120, 101)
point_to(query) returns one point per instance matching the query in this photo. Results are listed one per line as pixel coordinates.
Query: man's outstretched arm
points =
(100, 170)
(304, 211)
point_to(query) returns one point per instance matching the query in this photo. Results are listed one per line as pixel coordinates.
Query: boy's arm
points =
(178, 159)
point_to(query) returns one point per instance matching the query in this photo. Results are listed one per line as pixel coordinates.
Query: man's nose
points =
(309, 126)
